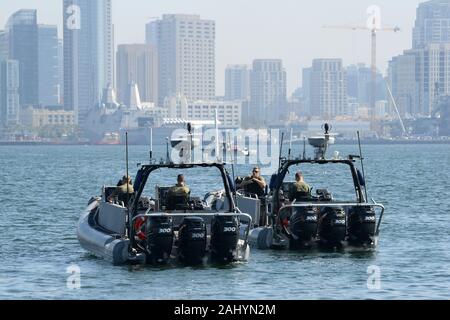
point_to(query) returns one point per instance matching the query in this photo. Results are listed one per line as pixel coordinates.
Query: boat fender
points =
(138, 226)
(265, 238)
(262, 238)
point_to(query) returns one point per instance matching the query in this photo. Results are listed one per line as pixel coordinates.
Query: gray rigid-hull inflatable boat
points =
(143, 230)
(298, 219)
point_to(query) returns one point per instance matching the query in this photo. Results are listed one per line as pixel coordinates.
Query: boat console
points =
(165, 202)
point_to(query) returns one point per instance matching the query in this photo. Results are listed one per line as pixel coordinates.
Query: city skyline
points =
(88, 54)
(234, 28)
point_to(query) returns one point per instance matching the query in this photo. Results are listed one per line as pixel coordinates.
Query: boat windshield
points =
(334, 178)
(170, 185)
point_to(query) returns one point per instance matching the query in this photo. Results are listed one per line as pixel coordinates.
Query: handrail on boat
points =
(340, 205)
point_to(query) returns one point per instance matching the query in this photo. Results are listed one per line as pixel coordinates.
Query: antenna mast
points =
(151, 145)
(216, 120)
(362, 165)
(128, 188)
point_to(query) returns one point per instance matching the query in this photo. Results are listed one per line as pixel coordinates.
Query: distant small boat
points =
(110, 138)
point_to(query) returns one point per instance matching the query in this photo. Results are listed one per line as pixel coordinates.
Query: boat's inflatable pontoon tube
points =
(111, 248)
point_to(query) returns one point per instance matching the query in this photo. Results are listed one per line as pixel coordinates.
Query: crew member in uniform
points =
(123, 191)
(256, 185)
(300, 189)
(179, 193)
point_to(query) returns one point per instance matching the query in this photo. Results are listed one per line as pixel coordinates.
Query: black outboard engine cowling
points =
(303, 225)
(159, 239)
(362, 225)
(192, 240)
(224, 239)
(333, 227)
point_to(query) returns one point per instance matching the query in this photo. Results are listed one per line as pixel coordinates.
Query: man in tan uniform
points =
(124, 190)
(300, 187)
(254, 184)
(178, 191)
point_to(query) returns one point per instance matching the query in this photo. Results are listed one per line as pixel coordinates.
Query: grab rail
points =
(340, 205)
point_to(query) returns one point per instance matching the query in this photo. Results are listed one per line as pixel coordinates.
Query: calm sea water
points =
(44, 190)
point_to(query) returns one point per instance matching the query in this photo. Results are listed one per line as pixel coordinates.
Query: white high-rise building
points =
(9, 93)
(237, 82)
(328, 88)
(186, 55)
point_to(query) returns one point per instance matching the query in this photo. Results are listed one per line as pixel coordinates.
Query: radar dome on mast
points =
(320, 144)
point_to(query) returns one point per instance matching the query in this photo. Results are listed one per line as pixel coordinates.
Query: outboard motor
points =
(333, 227)
(362, 225)
(192, 240)
(303, 225)
(224, 239)
(159, 239)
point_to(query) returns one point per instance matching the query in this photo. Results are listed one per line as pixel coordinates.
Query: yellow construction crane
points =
(373, 26)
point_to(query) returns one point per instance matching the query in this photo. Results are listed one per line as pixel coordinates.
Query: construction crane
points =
(373, 26)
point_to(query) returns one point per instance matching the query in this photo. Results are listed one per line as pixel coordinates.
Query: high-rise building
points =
(186, 55)
(432, 23)
(404, 84)
(306, 90)
(48, 65)
(9, 85)
(229, 113)
(359, 84)
(61, 71)
(434, 75)
(420, 77)
(237, 82)
(425, 70)
(9, 92)
(268, 91)
(88, 53)
(22, 31)
(4, 45)
(328, 88)
(137, 63)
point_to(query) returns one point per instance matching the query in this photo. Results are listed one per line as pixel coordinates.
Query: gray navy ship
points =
(142, 120)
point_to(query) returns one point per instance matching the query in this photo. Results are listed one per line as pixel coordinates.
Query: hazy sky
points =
(249, 29)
